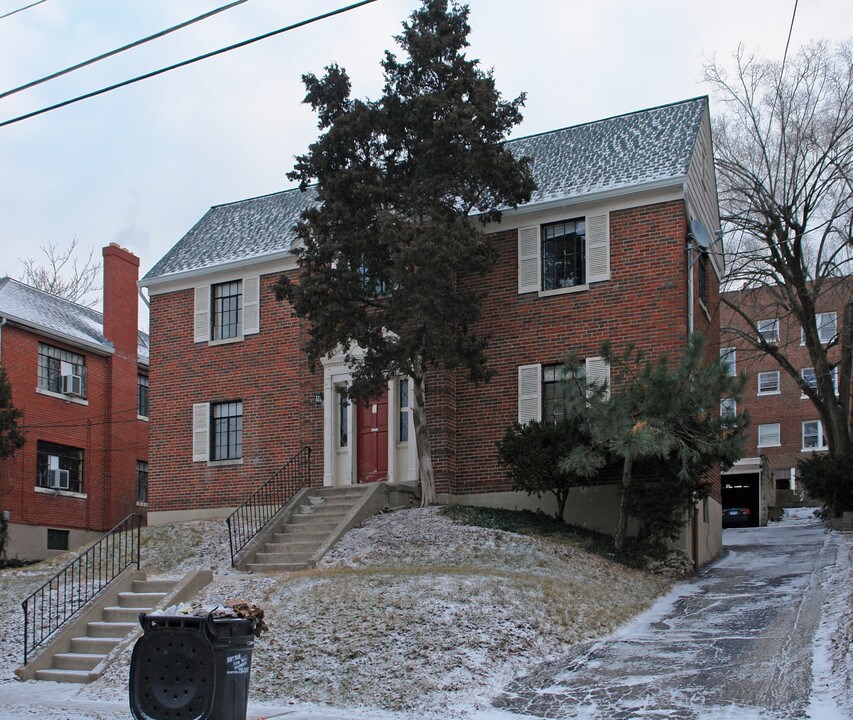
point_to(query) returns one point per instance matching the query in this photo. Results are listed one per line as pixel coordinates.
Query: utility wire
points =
(26, 7)
(144, 40)
(788, 41)
(213, 53)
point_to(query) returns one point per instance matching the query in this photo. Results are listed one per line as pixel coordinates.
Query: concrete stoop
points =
(82, 651)
(314, 520)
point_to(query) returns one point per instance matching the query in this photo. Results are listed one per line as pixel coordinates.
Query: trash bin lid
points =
(172, 674)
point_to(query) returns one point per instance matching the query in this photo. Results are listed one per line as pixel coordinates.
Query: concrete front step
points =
(95, 645)
(140, 599)
(117, 614)
(66, 676)
(267, 558)
(276, 567)
(308, 546)
(316, 518)
(76, 660)
(153, 586)
(100, 629)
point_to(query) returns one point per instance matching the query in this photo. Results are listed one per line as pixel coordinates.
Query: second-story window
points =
(728, 356)
(61, 371)
(563, 254)
(226, 318)
(142, 395)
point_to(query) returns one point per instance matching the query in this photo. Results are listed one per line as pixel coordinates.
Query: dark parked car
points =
(737, 517)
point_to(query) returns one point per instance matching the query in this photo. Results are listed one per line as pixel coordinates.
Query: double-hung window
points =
(227, 311)
(226, 318)
(769, 435)
(59, 467)
(810, 378)
(565, 255)
(141, 481)
(218, 431)
(769, 330)
(813, 437)
(728, 410)
(61, 371)
(541, 395)
(768, 383)
(728, 357)
(142, 396)
(827, 327)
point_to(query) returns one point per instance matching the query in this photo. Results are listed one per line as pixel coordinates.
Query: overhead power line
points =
(196, 59)
(105, 55)
(21, 9)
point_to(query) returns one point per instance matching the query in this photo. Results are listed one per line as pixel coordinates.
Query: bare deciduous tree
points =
(784, 154)
(64, 274)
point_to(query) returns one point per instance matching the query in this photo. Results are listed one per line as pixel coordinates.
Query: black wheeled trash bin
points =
(191, 668)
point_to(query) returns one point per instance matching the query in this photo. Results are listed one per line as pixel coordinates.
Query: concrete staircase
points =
(103, 636)
(85, 647)
(315, 520)
(306, 531)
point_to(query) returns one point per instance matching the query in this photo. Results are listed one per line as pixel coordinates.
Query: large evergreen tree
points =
(388, 252)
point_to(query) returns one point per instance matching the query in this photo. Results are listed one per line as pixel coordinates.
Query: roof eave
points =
(238, 264)
(675, 182)
(95, 347)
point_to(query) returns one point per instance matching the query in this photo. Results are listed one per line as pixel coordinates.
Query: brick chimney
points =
(121, 301)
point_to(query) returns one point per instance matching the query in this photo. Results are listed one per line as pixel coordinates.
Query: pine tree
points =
(389, 250)
(661, 423)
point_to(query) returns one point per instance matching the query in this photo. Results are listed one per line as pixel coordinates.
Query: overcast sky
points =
(140, 165)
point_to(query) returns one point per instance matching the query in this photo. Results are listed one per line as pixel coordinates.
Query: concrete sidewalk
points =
(739, 642)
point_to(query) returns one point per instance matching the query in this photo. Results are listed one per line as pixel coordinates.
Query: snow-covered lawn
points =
(411, 612)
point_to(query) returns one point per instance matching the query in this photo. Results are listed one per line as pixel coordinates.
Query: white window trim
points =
(777, 391)
(821, 437)
(529, 255)
(723, 406)
(779, 435)
(803, 396)
(60, 396)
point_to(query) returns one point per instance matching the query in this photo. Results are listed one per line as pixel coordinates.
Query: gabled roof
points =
(627, 151)
(59, 318)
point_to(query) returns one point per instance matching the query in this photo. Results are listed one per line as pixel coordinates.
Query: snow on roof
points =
(620, 152)
(56, 316)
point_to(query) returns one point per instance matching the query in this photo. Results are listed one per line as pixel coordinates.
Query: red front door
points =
(372, 423)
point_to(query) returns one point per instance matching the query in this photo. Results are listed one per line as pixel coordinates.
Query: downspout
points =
(2, 325)
(690, 261)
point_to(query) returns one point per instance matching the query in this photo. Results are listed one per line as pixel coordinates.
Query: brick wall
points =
(644, 303)
(266, 371)
(788, 408)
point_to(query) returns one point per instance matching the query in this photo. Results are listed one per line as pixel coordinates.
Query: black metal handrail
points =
(263, 504)
(61, 597)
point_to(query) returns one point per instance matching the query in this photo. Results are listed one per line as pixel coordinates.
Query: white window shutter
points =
(529, 393)
(251, 305)
(597, 248)
(528, 259)
(201, 432)
(201, 331)
(598, 372)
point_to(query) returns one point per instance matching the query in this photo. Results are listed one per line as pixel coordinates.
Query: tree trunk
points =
(419, 416)
(622, 522)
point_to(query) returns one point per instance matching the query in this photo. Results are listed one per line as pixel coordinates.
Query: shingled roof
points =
(621, 152)
(57, 317)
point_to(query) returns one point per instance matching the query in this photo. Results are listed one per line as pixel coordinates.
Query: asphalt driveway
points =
(741, 641)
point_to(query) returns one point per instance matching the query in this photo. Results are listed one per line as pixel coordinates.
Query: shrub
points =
(830, 479)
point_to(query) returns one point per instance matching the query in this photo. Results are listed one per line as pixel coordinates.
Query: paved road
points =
(736, 643)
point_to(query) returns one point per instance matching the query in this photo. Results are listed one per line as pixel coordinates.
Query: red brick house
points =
(786, 427)
(618, 243)
(81, 379)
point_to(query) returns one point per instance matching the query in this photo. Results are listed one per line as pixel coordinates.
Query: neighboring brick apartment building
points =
(618, 243)
(785, 427)
(81, 379)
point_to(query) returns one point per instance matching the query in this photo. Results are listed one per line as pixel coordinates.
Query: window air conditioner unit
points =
(59, 479)
(72, 385)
